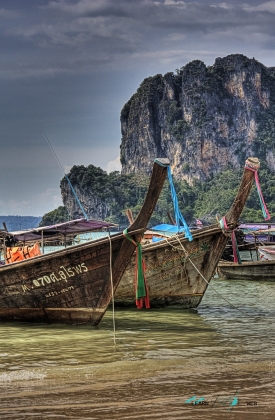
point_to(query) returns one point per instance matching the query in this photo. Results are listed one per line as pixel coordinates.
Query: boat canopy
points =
(257, 226)
(73, 227)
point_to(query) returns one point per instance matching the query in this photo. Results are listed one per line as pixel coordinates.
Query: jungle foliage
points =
(58, 215)
(203, 201)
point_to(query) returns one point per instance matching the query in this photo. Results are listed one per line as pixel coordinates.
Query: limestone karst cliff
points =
(204, 119)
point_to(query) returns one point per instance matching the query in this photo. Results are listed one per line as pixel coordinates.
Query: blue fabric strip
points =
(178, 216)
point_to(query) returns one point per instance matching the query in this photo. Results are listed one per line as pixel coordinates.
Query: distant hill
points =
(15, 223)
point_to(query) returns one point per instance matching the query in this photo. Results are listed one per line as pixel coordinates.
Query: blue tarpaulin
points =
(165, 228)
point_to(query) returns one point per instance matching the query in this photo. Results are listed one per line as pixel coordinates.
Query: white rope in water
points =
(202, 276)
(112, 285)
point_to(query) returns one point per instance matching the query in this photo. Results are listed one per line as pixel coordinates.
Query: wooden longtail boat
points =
(178, 271)
(75, 285)
(248, 270)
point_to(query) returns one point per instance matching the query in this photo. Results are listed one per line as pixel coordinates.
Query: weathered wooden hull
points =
(254, 270)
(171, 277)
(45, 287)
(75, 285)
(50, 315)
(178, 271)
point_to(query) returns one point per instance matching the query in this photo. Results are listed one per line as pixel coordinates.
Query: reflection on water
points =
(161, 359)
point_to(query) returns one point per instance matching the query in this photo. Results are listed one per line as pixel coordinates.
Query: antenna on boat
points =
(69, 182)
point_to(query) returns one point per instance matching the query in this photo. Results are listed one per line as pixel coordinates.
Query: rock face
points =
(92, 189)
(95, 206)
(204, 119)
(102, 195)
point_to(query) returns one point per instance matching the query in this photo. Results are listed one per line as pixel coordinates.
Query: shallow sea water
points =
(161, 360)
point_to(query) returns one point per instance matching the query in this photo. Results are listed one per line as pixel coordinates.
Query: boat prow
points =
(178, 271)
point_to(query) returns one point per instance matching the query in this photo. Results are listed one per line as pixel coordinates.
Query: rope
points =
(254, 169)
(202, 276)
(178, 216)
(112, 285)
(69, 182)
(226, 230)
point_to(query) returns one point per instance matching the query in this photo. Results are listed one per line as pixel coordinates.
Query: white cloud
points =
(175, 3)
(113, 165)
(269, 6)
(222, 5)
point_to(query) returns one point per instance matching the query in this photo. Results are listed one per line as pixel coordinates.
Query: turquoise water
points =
(156, 361)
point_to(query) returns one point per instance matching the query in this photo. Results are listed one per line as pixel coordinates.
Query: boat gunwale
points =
(66, 251)
(212, 229)
(222, 264)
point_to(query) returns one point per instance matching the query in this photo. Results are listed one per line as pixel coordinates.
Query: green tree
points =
(58, 215)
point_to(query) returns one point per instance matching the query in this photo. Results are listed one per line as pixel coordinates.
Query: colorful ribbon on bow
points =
(142, 293)
(256, 176)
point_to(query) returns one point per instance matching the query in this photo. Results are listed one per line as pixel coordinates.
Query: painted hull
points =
(254, 270)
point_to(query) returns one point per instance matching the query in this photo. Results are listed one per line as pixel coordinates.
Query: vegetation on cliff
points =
(58, 215)
(203, 200)
(216, 196)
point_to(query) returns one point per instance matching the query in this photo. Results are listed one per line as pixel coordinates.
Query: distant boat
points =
(74, 285)
(178, 271)
(248, 270)
(258, 233)
(262, 269)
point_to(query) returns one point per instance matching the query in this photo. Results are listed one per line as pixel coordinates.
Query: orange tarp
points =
(16, 253)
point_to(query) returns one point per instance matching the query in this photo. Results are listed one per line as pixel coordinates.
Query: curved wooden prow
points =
(158, 177)
(246, 184)
(139, 225)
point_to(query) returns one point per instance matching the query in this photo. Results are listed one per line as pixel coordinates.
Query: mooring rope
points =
(231, 232)
(202, 276)
(178, 215)
(67, 178)
(112, 285)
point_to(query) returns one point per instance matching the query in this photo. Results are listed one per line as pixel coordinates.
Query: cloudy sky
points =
(67, 67)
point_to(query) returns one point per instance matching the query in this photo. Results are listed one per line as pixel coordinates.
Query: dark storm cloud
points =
(68, 66)
(81, 36)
